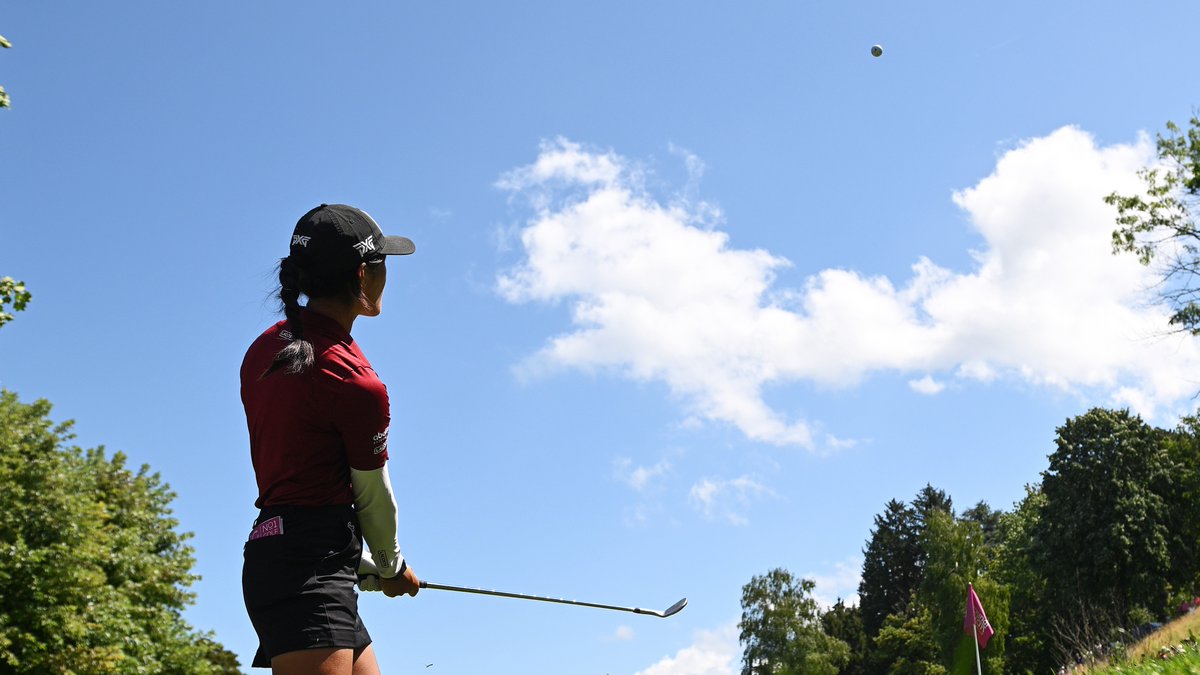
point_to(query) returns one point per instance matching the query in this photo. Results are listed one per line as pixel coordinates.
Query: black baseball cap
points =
(337, 236)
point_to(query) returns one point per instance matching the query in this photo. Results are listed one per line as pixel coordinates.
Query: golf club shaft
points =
(522, 596)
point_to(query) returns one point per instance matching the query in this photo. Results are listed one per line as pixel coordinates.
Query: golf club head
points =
(670, 611)
(674, 609)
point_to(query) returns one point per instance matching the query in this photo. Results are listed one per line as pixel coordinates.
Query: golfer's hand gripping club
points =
(405, 583)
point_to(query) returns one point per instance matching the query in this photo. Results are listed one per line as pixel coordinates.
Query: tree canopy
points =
(95, 573)
(781, 628)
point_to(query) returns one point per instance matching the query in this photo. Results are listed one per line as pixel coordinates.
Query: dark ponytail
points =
(297, 356)
(300, 277)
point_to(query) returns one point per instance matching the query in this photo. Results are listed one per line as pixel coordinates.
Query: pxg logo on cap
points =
(337, 235)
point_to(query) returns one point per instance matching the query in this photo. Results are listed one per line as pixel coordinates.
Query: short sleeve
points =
(359, 408)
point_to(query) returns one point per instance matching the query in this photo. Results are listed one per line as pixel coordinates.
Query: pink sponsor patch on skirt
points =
(270, 527)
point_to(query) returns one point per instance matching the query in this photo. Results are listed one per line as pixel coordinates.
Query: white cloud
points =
(723, 499)
(842, 583)
(926, 385)
(622, 634)
(712, 652)
(637, 477)
(656, 292)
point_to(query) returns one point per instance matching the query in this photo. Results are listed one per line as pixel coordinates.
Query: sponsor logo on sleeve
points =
(381, 441)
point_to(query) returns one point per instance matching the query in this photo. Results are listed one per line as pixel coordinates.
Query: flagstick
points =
(978, 666)
(975, 634)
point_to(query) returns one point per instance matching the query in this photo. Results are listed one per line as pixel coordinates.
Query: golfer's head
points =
(337, 251)
(335, 238)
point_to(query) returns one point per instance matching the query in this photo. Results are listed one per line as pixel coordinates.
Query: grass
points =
(1142, 657)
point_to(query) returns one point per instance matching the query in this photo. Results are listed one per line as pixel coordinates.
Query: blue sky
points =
(698, 286)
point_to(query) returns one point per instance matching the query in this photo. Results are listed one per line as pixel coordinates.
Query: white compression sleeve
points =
(376, 507)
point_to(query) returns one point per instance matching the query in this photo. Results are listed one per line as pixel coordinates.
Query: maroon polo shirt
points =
(308, 430)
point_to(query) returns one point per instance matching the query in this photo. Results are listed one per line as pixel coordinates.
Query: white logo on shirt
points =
(380, 440)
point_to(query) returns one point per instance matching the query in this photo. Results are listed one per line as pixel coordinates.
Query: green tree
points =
(845, 623)
(1160, 225)
(988, 520)
(1102, 541)
(12, 293)
(956, 556)
(906, 644)
(94, 573)
(781, 629)
(1183, 504)
(891, 570)
(930, 503)
(1028, 648)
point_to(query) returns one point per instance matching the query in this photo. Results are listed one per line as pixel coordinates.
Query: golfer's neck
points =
(343, 313)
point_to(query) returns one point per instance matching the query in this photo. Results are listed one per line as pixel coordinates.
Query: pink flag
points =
(976, 621)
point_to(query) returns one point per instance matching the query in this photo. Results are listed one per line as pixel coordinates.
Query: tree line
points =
(1106, 542)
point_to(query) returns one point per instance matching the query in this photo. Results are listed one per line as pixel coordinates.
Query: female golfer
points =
(318, 418)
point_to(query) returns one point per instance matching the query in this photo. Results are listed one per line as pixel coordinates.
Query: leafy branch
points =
(13, 293)
(1161, 224)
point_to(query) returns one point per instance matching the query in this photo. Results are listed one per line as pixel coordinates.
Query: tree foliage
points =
(12, 293)
(781, 629)
(1101, 539)
(1160, 224)
(94, 573)
(1027, 637)
(844, 622)
(956, 555)
(1182, 497)
(1107, 541)
(907, 645)
(890, 566)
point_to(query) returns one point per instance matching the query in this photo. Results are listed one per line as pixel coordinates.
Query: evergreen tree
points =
(891, 566)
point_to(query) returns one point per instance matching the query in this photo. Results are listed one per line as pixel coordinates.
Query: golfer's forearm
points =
(376, 507)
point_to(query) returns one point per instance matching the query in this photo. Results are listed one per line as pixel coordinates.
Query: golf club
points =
(672, 610)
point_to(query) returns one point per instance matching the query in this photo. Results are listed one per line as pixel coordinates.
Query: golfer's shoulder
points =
(344, 368)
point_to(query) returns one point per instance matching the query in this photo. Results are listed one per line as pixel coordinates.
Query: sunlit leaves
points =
(93, 571)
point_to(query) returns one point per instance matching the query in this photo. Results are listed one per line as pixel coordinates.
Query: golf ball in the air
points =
(876, 51)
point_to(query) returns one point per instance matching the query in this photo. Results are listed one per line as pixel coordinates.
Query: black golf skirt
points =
(298, 580)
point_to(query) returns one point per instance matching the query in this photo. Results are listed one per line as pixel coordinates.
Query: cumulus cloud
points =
(712, 652)
(724, 499)
(656, 293)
